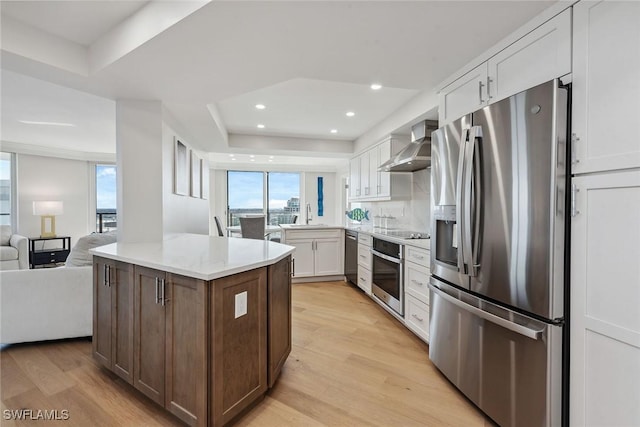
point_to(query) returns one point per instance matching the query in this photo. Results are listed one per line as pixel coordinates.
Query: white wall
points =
(331, 198)
(181, 214)
(48, 178)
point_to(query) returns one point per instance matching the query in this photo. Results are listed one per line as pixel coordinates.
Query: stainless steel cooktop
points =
(404, 234)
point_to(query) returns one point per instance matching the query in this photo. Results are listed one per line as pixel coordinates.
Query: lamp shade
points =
(47, 208)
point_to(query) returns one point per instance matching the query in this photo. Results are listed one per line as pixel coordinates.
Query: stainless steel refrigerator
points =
(498, 285)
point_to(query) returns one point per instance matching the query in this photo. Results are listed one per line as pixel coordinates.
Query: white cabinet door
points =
(303, 257)
(464, 95)
(605, 301)
(417, 316)
(374, 162)
(354, 178)
(365, 184)
(540, 56)
(329, 257)
(384, 178)
(606, 85)
(364, 279)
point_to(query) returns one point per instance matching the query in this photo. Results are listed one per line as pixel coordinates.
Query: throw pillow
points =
(80, 256)
(5, 235)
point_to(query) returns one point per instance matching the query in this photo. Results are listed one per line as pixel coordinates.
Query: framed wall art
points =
(181, 168)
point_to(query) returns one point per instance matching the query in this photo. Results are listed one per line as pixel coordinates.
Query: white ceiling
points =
(309, 62)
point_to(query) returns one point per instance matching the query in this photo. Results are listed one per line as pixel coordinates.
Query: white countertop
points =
(310, 227)
(196, 255)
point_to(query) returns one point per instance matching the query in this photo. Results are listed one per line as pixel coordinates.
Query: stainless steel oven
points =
(387, 282)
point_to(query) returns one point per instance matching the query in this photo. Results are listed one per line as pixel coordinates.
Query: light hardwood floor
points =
(351, 364)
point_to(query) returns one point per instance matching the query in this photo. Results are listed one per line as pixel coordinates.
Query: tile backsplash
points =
(413, 214)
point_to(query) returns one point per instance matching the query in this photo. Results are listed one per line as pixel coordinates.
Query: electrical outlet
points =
(241, 304)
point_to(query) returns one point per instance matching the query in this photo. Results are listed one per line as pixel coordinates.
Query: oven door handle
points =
(387, 257)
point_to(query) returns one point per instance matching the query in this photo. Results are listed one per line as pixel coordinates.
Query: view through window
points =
(5, 188)
(106, 215)
(273, 194)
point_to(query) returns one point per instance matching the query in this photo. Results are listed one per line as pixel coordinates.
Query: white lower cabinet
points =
(416, 316)
(605, 300)
(318, 252)
(364, 279)
(416, 291)
(364, 262)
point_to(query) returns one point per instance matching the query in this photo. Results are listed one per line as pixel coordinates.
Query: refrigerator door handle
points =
(473, 192)
(534, 334)
(460, 202)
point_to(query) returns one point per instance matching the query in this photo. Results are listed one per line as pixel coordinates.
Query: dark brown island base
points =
(205, 350)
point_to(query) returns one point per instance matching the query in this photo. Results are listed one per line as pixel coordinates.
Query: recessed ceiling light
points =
(253, 160)
(260, 106)
(334, 130)
(30, 122)
(231, 155)
(233, 158)
(350, 114)
(260, 126)
(376, 86)
(271, 157)
(271, 160)
(251, 155)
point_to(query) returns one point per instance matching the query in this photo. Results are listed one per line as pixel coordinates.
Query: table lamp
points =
(47, 211)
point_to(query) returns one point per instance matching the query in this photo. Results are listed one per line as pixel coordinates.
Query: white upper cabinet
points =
(354, 178)
(539, 56)
(367, 183)
(466, 94)
(606, 86)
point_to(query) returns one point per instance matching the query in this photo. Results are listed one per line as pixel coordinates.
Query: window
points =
(7, 184)
(106, 215)
(273, 194)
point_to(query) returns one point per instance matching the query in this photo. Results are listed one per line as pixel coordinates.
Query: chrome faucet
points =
(308, 213)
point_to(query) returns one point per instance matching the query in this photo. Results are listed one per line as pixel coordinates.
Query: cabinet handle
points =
(480, 86)
(416, 282)
(489, 87)
(417, 256)
(104, 275)
(162, 298)
(293, 267)
(157, 290)
(108, 275)
(420, 319)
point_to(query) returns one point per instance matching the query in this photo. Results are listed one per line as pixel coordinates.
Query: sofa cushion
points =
(8, 253)
(5, 235)
(80, 256)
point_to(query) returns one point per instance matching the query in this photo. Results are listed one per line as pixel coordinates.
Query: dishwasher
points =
(351, 256)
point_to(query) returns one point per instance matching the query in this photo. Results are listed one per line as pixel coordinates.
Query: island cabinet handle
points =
(157, 290)
(104, 275)
(163, 300)
(293, 267)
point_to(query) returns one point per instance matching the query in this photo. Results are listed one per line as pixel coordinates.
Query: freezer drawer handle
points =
(519, 329)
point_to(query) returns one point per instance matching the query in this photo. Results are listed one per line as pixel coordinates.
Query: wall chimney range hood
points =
(416, 155)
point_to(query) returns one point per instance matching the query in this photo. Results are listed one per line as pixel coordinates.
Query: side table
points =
(48, 256)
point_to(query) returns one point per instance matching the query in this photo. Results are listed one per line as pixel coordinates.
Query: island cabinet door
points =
(238, 332)
(113, 316)
(279, 310)
(149, 333)
(186, 352)
(101, 340)
(121, 282)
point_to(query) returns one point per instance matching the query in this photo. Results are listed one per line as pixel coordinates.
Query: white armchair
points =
(14, 250)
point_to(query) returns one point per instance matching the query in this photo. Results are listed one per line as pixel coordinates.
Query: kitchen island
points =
(199, 324)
